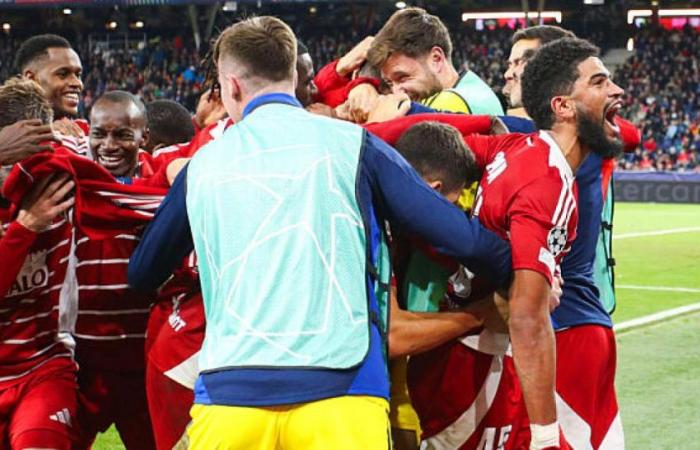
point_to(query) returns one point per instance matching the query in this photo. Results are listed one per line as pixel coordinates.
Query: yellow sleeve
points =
(448, 100)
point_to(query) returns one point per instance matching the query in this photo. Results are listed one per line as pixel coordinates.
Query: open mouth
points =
(110, 162)
(72, 98)
(609, 115)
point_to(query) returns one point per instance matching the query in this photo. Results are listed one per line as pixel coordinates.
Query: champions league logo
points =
(556, 240)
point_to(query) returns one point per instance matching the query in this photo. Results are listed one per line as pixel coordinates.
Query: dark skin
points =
(23, 139)
(306, 88)
(117, 132)
(59, 74)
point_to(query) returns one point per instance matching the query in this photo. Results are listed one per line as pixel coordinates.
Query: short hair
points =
(264, 46)
(437, 151)
(22, 99)
(37, 47)
(412, 32)
(123, 97)
(301, 48)
(543, 33)
(552, 72)
(169, 123)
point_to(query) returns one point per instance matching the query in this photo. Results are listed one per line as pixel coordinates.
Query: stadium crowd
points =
(662, 79)
(378, 245)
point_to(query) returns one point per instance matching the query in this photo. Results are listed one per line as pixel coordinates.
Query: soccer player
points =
(306, 90)
(50, 61)
(37, 376)
(111, 318)
(413, 52)
(169, 123)
(586, 355)
(302, 363)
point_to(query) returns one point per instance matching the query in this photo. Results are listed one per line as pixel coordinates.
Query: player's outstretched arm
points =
(166, 241)
(532, 338)
(412, 206)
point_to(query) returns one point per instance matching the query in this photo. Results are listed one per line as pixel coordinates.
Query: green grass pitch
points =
(657, 378)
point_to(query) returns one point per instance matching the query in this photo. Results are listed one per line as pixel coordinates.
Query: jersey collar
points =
(273, 97)
(556, 155)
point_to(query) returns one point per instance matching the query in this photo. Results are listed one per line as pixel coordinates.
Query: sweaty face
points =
(519, 54)
(306, 88)
(117, 131)
(59, 75)
(411, 76)
(598, 100)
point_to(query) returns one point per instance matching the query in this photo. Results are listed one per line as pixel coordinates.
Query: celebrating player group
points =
(377, 255)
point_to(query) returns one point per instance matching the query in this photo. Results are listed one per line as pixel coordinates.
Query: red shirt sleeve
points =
(330, 85)
(484, 147)
(540, 217)
(630, 135)
(391, 130)
(14, 247)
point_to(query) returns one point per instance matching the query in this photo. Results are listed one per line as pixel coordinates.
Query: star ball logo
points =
(556, 240)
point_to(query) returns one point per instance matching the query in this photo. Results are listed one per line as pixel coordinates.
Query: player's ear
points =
(436, 184)
(436, 58)
(563, 107)
(29, 74)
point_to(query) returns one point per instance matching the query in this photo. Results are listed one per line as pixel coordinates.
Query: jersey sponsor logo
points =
(496, 167)
(174, 319)
(34, 274)
(62, 416)
(556, 240)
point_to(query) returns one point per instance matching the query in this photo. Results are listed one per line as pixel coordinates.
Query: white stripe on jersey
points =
(90, 262)
(29, 318)
(90, 337)
(24, 341)
(14, 377)
(102, 287)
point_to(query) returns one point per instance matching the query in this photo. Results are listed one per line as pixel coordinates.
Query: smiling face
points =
(417, 77)
(117, 132)
(59, 75)
(597, 99)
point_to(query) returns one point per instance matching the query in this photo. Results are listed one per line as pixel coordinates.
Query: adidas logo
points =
(62, 416)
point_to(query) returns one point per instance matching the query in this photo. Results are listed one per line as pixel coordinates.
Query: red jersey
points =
(527, 195)
(33, 297)
(78, 145)
(111, 323)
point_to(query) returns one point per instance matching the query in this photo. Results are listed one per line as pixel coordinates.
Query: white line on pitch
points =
(656, 317)
(655, 233)
(656, 288)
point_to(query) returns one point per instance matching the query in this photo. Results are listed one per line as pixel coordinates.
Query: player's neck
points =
(518, 112)
(570, 145)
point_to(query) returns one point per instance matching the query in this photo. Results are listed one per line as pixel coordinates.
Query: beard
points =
(592, 134)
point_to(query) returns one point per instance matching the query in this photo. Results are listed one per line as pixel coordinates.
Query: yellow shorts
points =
(402, 414)
(349, 422)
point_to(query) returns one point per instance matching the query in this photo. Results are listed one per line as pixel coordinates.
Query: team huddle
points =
(373, 256)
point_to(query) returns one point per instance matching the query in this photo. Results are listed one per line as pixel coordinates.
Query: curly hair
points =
(550, 73)
(22, 99)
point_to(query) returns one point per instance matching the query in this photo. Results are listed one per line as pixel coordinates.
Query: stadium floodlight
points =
(556, 15)
(6, 27)
(313, 10)
(400, 5)
(630, 45)
(230, 6)
(593, 2)
(112, 25)
(67, 11)
(634, 13)
(137, 24)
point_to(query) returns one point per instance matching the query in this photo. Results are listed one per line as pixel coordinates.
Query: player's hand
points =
(23, 139)
(361, 101)
(46, 200)
(493, 311)
(322, 110)
(67, 127)
(353, 59)
(556, 292)
(389, 107)
(497, 126)
(210, 109)
(174, 168)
